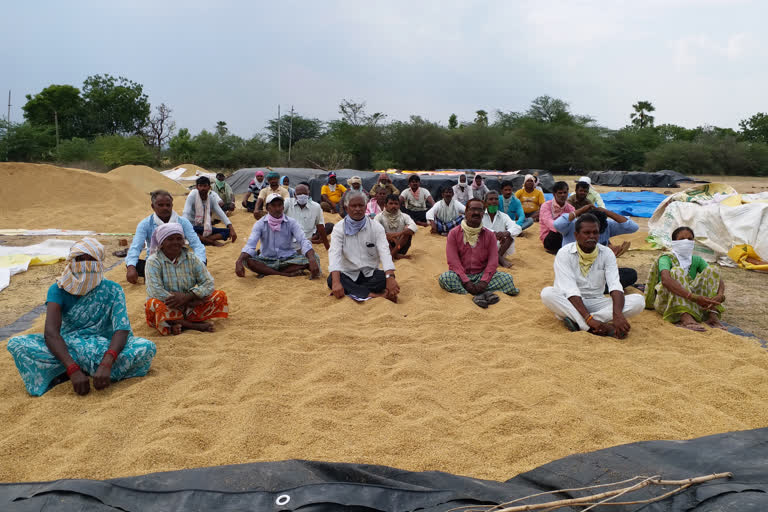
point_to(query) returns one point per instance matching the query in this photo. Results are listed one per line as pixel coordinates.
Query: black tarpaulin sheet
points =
(633, 179)
(323, 487)
(241, 178)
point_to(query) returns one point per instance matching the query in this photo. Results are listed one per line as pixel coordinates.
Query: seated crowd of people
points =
(88, 334)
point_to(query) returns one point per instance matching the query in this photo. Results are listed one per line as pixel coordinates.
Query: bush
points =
(325, 152)
(114, 151)
(74, 150)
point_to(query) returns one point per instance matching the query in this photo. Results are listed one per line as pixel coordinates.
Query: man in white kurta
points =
(445, 214)
(580, 277)
(502, 226)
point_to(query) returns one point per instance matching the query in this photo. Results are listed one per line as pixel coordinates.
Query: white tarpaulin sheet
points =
(176, 175)
(14, 260)
(720, 218)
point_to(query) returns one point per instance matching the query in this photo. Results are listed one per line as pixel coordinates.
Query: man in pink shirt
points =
(473, 259)
(550, 211)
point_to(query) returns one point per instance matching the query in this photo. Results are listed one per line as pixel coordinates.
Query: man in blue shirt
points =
(162, 204)
(277, 255)
(512, 206)
(611, 224)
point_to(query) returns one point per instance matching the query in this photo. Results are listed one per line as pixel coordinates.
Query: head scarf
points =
(282, 180)
(529, 177)
(162, 232)
(475, 186)
(355, 179)
(272, 174)
(80, 277)
(586, 259)
(259, 174)
(384, 176)
(683, 249)
(353, 227)
(470, 234)
(458, 180)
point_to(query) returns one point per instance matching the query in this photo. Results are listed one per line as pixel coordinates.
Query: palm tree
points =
(481, 117)
(640, 117)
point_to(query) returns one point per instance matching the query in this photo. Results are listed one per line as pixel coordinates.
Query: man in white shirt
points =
(445, 214)
(308, 214)
(582, 270)
(502, 226)
(462, 191)
(399, 227)
(358, 246)
(200, 204)
(415, 200)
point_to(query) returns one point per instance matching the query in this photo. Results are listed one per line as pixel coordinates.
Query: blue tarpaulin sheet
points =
(631, 204)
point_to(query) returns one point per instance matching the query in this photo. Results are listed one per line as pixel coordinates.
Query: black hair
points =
(680, 230)
(587, 218)
(202, 180)
(602, 218)
(507, 183)
(414, 177)
(304, 183)
(582, 184)
(474, 199)
(560, 185)
(393, 197)
(443, 189)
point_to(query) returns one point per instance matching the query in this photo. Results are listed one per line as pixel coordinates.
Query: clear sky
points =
(698, 61)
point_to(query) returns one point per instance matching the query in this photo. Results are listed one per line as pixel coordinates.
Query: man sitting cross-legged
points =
(473, 257)
(278, 256)
(582, 270)
(308, 214)
(445, 214)
(502, 226)
(399, 227)
(198, 209)
(358, 246)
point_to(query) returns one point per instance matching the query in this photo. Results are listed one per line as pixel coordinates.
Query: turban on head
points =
(161, 233)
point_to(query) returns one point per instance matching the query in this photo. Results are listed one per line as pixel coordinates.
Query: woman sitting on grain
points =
(683, 288)
(87, 331)
(180, 292)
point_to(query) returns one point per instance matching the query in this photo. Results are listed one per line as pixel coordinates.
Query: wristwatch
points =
(392, 275)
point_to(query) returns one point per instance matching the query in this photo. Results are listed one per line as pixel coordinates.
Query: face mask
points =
(492, 208)
(302, 199)
(220, 183)
(683, 249)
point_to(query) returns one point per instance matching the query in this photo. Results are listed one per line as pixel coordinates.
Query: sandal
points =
(571, 325)
(480, 300)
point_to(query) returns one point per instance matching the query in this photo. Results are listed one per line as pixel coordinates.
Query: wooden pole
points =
(9, 106)
(56, 121)
(279, 129)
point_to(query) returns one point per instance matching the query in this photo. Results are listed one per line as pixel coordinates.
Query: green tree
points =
(303, 128)
(481, 118)
(116, 150)
(114, 106)
(755, 128)
(221, 128)
(57, 101)
(182, 148)
(549, 110)
(641, 117)
(355, 114)
(24, 142)
(453, 122)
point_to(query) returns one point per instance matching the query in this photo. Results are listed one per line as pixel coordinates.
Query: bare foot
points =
(295, 273)
(199, 326)
(687, 322)
(504, 262)
(399, 256)
(714, 323)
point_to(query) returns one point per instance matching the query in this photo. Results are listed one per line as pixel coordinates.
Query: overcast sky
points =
(698, 61)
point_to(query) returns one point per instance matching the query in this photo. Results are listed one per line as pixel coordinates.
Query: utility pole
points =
(9, 106)
(56, 121)
(279, 129)
(290, 135)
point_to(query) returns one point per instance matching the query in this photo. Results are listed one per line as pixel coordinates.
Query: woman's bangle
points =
(586, 321)
(114, 357)
(73, 368)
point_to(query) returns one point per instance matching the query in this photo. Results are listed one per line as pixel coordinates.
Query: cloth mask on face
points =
(302, 199)
(493, 208)
(683, 249)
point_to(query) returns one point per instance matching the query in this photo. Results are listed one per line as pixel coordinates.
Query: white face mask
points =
(302, 199)
(683, 249)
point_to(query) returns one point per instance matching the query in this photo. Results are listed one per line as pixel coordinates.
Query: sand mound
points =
(192, 170)
(38, 196)
(147, 179)
(431, 383)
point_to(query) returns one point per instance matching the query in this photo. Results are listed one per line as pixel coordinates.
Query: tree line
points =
(110, 122)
